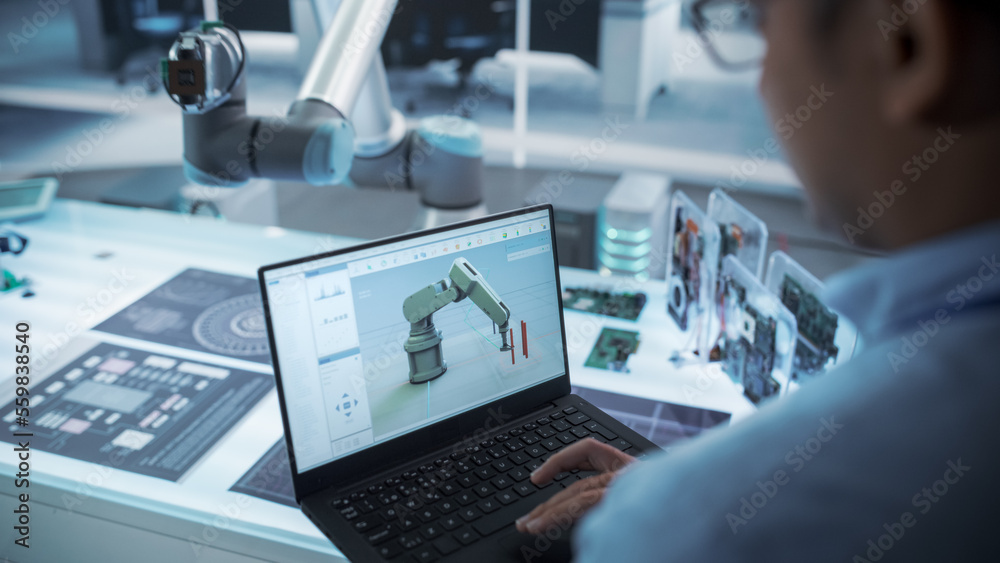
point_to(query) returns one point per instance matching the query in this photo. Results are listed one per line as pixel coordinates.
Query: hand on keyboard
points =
(568, 506)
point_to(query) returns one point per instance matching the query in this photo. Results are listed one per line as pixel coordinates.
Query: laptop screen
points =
(358, 368)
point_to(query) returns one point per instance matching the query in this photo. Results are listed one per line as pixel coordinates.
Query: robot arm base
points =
(423, 350)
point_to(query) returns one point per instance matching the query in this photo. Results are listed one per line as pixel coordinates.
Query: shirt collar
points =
(952, 273)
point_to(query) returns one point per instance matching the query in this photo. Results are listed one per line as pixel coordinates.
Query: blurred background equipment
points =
(342, 113)
(26, 199)
(576, 209)
(635, 48)
(438, 30)
(122, 35)
(632, 227)
(573, 28)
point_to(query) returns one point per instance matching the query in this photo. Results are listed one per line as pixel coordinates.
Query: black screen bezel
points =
(453, 429)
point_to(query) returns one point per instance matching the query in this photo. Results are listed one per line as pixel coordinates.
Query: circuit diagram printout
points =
(202, 311)
(147, 413)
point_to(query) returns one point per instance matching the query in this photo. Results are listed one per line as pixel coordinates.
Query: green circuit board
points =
(749, 358)
(612, 350)
(626, 306)
(9, 283)
(817, 327)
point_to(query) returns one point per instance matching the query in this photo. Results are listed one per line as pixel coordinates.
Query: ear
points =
(920, 45)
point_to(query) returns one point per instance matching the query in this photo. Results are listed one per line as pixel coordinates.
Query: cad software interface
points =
(340, 331)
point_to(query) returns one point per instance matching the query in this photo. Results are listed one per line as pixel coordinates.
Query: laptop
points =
(421, 379)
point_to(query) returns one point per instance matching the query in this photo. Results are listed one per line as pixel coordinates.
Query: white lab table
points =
(88, 261)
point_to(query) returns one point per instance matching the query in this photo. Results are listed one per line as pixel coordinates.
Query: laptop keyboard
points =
(432, 510)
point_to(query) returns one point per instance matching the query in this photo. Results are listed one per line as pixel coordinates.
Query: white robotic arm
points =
(424, 343)
(317, 142)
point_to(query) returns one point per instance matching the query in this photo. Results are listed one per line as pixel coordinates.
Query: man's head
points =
(908, 129)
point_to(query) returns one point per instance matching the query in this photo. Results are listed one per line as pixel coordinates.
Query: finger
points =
(564, 514)
(563, 510)
(577, 456)
(585, 455)
(578, 488)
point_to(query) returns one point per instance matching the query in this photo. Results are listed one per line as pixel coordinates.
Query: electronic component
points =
(631, 226)
(757, 343)
(817, 328)
(731, 241)
(10, 283)
(688, 248)
(749, 358)
(823, 337)
(26, 199)
(613, 349)
(11, 243)
(743, 234)
(691, 271)
(620, 305)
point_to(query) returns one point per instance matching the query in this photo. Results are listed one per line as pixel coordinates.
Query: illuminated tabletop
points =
(90, 261)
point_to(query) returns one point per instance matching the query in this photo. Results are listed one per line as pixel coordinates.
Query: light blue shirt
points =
(893, 456)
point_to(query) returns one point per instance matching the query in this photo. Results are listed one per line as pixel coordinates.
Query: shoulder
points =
(815, 476)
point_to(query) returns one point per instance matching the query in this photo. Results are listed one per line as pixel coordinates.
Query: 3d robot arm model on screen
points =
(423, 346)
(341, 125)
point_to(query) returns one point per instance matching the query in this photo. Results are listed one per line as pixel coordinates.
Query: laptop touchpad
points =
(537, 549)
